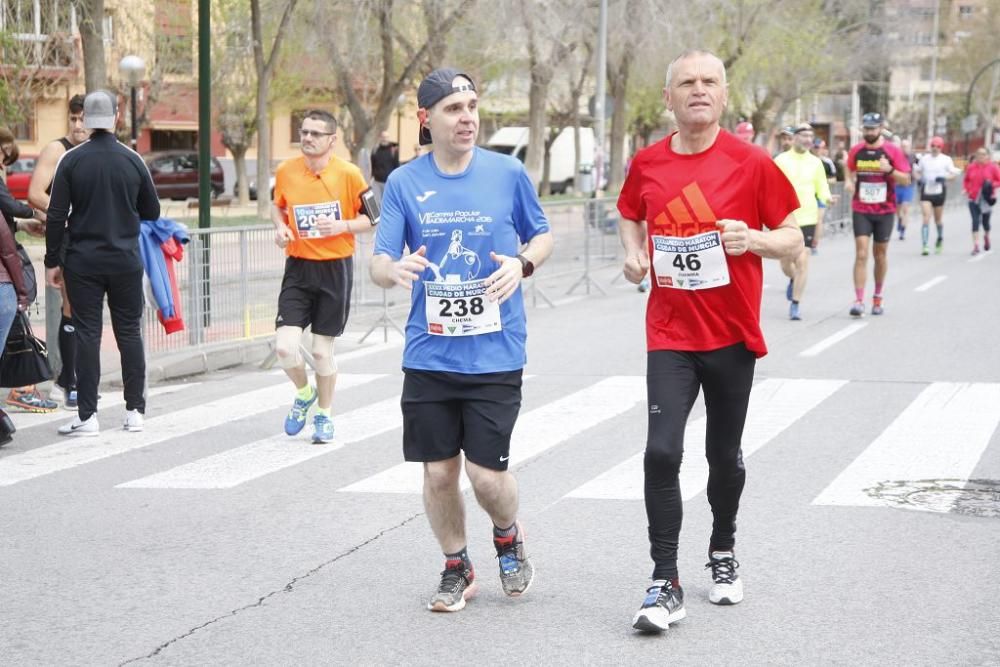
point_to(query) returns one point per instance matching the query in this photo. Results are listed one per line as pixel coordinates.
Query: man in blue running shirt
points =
(462, 214)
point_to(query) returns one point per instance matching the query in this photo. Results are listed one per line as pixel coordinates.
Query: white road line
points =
(830, 341)
(942, 434)
(980, 257)
(71, 452)
(26, 420)
(536, 431)
(775, 404)
(233, 467)
(930, 283)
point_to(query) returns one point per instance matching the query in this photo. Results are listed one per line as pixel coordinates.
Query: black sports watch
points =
(527, 267)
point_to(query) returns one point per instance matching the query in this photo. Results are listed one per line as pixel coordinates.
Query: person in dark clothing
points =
(109, 190)
(385, 159)
(13, 294)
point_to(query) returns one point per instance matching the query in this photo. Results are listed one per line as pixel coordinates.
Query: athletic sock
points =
(878, 289)
(305, 394)
(859, 293)
(505, 532)
(925, 234)
(324, 411)
(462, 555)
(67, 352)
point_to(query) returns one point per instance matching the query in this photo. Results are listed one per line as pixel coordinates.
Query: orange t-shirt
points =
(336, 192)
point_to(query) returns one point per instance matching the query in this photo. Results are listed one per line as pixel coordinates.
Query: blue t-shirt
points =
(491, 206)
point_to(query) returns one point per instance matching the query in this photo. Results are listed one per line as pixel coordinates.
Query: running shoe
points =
(322, 429)
(877, 305)
(975, 250)
(663, 605)
(858, 309)
(296, 419)
(60, 395)
(788, 290)
(458, 584)
(938, 247)
(79, 428)
(986, 243)
(134, 421)
(516, 571)
(728, 587)
(30, 401)
(926, 251)
(793, 312)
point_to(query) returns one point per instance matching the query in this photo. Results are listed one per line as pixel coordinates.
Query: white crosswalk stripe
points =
(71, 452)
(775, 404)
(26, 420)
(942, 434)
(537, 431)
(263, 457)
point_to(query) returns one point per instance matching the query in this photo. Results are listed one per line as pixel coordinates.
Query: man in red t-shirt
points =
(697, 203)
(878, 167)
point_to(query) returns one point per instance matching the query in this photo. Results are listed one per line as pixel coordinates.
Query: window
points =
(24, 130)
(966, 11)
(163, 165)
(174, 37)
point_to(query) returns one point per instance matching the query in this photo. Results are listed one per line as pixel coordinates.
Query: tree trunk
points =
(263, 149)
(537, 96)
(616, 171)
(91, 25)
(240, 163)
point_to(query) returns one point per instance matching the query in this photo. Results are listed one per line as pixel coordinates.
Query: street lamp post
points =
(132, 69)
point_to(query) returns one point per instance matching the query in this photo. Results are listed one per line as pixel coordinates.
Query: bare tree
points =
(34, 66)
(264, 65)
(91, 25)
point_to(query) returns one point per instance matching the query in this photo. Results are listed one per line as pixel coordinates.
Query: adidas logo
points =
(686, 214)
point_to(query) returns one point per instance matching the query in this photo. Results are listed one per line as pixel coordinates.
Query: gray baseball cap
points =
(435, 87)
(100, 109)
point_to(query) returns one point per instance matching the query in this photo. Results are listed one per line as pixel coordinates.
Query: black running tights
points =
(673, 380)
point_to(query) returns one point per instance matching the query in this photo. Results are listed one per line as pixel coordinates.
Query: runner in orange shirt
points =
(316, 212)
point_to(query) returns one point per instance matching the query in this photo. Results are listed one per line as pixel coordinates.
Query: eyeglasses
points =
(314, 133)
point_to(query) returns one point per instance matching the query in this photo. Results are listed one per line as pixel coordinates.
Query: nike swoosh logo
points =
(504, 458)
(427, 195)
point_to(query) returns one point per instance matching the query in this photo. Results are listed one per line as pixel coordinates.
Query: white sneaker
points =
(133, 421)
(728, 587)
(81, 429)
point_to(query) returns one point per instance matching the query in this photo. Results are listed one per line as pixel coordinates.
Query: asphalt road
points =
(212, 539)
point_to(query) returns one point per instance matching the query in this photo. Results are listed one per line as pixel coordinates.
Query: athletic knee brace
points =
(322, 349)
(286, 343)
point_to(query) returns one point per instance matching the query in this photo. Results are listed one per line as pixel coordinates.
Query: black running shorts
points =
(935, 200)
(316, 293)
(874, 224)
(447, 413)
(808, 234)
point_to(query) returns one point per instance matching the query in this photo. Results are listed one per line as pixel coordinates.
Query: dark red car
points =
(175, 174)
(19, 176)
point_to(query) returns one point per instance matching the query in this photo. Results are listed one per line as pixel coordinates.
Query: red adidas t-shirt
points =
(683, 196)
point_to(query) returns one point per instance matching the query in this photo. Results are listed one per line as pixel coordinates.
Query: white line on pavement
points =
(71, 452)
(830, 341)
(536, 431)
(980, 257)
(233, 467)
(942, 434)
(25, 420)
(775, 404)
(937, 280)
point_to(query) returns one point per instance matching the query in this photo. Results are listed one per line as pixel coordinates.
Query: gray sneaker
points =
(663, 605)
(516, 571)
(458, 584)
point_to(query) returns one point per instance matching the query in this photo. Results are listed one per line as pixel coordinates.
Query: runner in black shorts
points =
(874, 168)
(316, 213)
(934, 169)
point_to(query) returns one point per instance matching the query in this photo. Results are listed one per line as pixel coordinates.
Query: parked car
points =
(19, 176)
(253, 188)
(175, 174)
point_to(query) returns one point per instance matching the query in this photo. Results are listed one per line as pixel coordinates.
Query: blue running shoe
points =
(296, 419)
(323, 429)
(788, 290)
(793, 312)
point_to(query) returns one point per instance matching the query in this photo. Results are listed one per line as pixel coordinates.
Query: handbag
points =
(25, 358)
(30, 281)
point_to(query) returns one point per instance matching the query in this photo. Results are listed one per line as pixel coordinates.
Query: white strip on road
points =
(775, 404)
(233, 467)
(25, 420)
(980, 257)
(830, 341)
(71, 452)
(536, 431)
(930, 283)
(942, 434)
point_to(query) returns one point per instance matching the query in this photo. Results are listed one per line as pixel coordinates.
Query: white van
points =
(562, 168)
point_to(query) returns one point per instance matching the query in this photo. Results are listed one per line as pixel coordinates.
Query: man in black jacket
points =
(102, 189)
